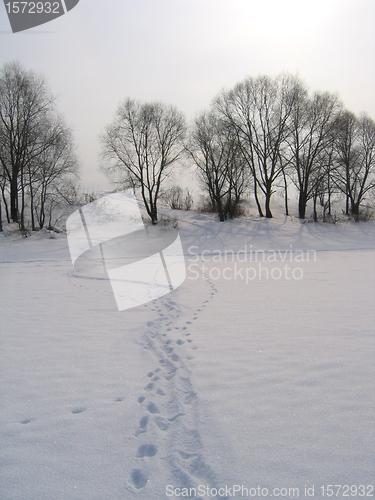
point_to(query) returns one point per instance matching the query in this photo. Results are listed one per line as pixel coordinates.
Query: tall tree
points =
(355, 149)
(24, 106)
(310, 133)
(258, 109)
(56, 167)
(27, 133)
(215, 151)
(141, 145)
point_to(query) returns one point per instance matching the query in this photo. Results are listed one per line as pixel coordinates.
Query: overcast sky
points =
(183, 52)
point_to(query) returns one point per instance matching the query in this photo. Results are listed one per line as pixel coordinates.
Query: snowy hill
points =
(256, 373)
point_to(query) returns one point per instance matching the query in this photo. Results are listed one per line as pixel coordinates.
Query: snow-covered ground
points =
(257, 373)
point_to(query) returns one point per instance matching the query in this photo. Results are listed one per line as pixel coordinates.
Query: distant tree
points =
(141, 145)
(178, 199)
(355, 150)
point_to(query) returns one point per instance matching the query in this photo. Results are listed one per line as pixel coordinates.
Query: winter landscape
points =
(246, 376)
(187, 250)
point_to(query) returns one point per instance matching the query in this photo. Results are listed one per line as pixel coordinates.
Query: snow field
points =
(221, 382)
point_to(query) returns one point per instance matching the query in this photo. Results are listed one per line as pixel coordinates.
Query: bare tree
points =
(177, 198)
(24, 107)
(258, 109)
(54, 169)
(355, 149)
(310, 127)
(28, 134)
(140, 147)
(215, 151)
(3, 187)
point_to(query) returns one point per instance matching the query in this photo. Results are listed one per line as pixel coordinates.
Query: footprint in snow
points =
(143, 422)
(152, 408)
(139, 478)
(26, 421)
(78, 410)
(162, 423)
(146, 450)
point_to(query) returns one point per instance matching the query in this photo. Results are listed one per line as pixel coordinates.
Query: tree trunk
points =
(32, 207)
(14, 199)
(220, 209)
(329, 194)
(22, 214)
(347, 204)
(355, 209)
(302, 205)
(286, 194)
(5, 204)
(315, 211)
(260, 212)
(41, 212)
(268, 206)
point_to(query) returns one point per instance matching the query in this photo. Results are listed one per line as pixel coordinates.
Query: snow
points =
(225, 381)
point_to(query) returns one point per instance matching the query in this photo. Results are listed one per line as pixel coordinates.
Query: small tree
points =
(177, 199)
(141, 145)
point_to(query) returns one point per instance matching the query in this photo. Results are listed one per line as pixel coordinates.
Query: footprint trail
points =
(169, 427)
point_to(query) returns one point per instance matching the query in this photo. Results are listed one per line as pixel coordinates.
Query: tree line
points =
(264, 134)
(37, 152)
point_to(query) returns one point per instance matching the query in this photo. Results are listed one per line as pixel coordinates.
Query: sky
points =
(184, 52)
